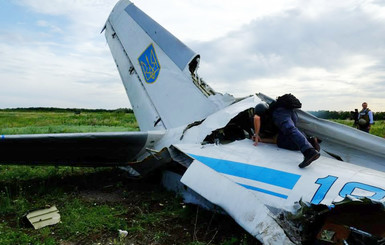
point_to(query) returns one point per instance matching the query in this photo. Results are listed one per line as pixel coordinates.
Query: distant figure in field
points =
(365, 118)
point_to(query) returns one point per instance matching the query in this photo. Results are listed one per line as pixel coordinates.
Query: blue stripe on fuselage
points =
(264, 191)
(252, 172)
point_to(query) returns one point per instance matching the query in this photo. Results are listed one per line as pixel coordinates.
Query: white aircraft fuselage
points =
(184, 121)
(168, 97)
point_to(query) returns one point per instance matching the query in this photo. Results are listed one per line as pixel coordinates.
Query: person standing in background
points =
(365, 118)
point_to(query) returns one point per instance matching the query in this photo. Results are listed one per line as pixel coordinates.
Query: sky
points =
(330, 54)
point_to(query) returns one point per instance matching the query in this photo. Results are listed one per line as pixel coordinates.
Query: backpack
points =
(288, 101)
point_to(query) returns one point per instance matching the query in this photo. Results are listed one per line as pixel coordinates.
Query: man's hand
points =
(256, 139)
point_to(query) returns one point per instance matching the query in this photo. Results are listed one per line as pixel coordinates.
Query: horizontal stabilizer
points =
(78, 149)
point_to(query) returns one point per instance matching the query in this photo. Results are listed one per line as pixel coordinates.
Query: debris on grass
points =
(42, 217)
(122, 233)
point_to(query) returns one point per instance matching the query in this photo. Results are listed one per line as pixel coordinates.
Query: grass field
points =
(377, 129)
(65, 122)
(95, 203)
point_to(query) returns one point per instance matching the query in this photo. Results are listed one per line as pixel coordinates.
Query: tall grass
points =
(378, 128)
(65, 122)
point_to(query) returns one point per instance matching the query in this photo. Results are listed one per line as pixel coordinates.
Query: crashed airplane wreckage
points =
(200, 140)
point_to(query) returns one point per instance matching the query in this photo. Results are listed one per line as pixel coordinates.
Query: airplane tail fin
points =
(158, 71)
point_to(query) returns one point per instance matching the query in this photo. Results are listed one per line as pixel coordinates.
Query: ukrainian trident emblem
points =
(149, 64)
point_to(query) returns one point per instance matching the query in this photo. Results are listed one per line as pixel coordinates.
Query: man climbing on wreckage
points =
(276, 123)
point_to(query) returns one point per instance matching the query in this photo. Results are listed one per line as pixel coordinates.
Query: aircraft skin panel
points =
(350, 144)
(77, 149)
(218, 119)
(178, 52)
(252, 172)
(176, 99)
(142, 105)
(342, 133)
(255, 185)
(244, 206)
(273, 174)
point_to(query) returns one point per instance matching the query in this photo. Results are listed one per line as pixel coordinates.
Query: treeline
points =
(343, 114)
(321, 114)
(75, 110)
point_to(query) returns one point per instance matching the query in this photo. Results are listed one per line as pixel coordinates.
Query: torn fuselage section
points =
(351, 221)
(156, 161)
(171, 164)
(218, 145)
(238, 128)
(231, 123)
(198, 81)
(189, 171)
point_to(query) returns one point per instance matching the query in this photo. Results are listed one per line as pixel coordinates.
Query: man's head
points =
(364, 105)
(261, 109)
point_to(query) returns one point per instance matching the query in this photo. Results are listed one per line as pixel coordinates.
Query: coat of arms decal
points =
(149, 63)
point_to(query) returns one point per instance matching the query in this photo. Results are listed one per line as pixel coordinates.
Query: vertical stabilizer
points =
(158, 71)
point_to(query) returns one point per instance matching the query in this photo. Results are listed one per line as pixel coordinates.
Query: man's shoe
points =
(314, 142)
(310, 156)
